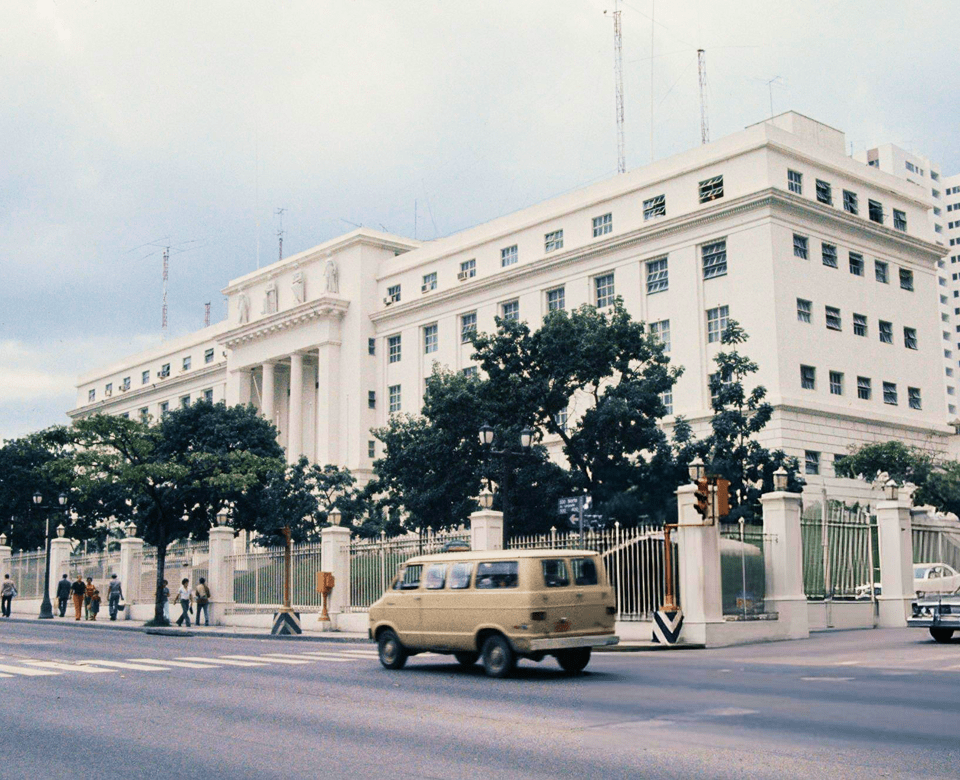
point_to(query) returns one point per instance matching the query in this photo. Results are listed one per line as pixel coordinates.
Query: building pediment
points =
(327, 307)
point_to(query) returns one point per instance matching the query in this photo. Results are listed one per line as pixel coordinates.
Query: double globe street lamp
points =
(46, 607)
(486, 443)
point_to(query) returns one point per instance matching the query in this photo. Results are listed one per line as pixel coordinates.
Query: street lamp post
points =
(46, 607)
(486, 444)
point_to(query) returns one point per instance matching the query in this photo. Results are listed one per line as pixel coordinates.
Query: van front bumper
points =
(567, 642)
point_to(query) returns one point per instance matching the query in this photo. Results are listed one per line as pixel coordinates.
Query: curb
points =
(647, 648)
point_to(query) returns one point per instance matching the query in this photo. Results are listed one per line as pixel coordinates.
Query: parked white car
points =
(935, 578)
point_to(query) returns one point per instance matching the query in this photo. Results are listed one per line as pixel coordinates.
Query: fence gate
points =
(840, 552)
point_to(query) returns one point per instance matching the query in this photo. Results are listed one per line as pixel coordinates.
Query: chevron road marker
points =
(666, 626)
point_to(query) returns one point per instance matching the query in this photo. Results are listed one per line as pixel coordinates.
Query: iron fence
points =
(936, 542)
(27, 571)
(258, 578)
(743, 576)
(840, 552)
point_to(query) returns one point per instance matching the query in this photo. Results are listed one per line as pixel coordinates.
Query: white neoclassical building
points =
(829, 264)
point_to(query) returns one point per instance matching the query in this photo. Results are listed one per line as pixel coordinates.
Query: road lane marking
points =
(130, 666)
(26, 672)
(299, 657)
(826, 679)
(847, 663)
(181, 664)
(224, 661)
(267, 658)
(8, 675)
(337, 659)
(927, 658)
(69, 667)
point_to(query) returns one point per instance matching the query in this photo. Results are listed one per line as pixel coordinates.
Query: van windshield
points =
(409, 578)
(498, 574)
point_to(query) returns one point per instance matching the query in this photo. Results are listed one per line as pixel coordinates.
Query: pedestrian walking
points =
(94, 604)
(166, 601)
(185, 598)
(7, 591)
(79, 591)
(63, 594)
(203, 601)
(87, 595)
(114, 594)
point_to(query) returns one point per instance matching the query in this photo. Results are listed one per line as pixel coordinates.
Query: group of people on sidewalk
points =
(87, 599)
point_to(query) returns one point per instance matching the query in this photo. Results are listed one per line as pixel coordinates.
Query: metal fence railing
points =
(936, 542)
(184, 560)
(27, 571)
(98, 567)
(743, 576)
(258, 578)
(840, 555)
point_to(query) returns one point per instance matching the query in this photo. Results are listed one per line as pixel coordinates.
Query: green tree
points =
(739, 415)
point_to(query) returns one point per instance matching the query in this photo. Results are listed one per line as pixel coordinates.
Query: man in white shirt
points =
(184, 597)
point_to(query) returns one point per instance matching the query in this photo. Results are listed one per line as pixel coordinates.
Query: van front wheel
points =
(574, 660)
(466, 659)
(393, 655)
(498, 657)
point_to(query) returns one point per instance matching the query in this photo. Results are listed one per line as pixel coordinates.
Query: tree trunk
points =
(158, 618)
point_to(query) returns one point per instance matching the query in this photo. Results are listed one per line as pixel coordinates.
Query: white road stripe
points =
(362, 653)
(181, 664)
(8, 675)
(224, 661)
(826, 679)
(337, 659)
(847, 663)
(122, 665)
(266, 658)
(69, 667)
(26, 672)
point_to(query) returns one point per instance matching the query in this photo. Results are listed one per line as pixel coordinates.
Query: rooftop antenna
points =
(206, 315)
(702, 73)
(618, 79)
(166, 274)
(653, 21)
(774, 80)
(279, 213)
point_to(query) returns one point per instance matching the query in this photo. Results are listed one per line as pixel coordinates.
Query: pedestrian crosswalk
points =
(12, 668)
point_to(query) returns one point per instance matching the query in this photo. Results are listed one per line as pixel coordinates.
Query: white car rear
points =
(935, 578)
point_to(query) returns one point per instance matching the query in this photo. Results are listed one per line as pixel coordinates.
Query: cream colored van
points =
(498, 606)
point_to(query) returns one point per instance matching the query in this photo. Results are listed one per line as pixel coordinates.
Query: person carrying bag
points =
(202, 594)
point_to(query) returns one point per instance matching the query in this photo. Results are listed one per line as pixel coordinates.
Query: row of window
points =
(163, 373)
(808, 381)
(851, 201)
(834, 321)
(164, 407)
(830, 258)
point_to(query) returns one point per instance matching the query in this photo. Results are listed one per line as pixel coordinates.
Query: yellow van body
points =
(541, 602)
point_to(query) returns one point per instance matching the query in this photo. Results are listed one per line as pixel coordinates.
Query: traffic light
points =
(723, 498)
(703, 498)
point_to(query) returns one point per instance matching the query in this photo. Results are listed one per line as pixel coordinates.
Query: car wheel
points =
(466, 659)
(499, 659)
(941, 634)
(393, 655)
(574, 660)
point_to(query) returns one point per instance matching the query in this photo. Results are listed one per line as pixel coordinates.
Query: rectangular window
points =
(371, 448)
(906, 279)
(666, 398)
(910, 338)
(560, 418)
(468, 269)
(808, 377)
(604, 290)
(208, 356)
(394, 396)
(811, 462)
(498, 574)
(824, 192)
(584, 571)
(856, 264)
(711, 189)
(661, 329)
(430, 339)
(859, 324)
(510, 311)
(108, 389)
(164, 408)
(393, 348)
(184, 401)
(886, 332)
(460, 574)
(875, 211)
(913, 398)
(556, 299)
(717, 323)
(829, 254)
(468, 326)
(410, 577)
(795, 182)
(801, 247)
(658, 278)
(91, 396)
(714, 257)
(125, 415)
(187, 362)
(470, 372)
(553, 241)
(836, 383)
(850, 202)
(393, 293)
(371, 346)
(145, 377)
(371, 399)
(125, 384)
(864, 390)
(508, 256)
(880, 268)
(145, 414)
(429, 282)
(208, 395)
(655, 207)
(804, 310)
(890, 393)
(164, 370)
(899, 219)
(833, 318)
(602, 225)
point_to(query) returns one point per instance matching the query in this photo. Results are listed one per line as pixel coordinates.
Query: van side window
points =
(460, 575)
(436, 576)
(409, 578)
(555, 573)
(584, 571)
(498, 574)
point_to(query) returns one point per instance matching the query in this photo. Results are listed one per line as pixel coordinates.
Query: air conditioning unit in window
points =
(387, 301)
(122, 389)
(108, 393)
(463, 276)
(425, 288)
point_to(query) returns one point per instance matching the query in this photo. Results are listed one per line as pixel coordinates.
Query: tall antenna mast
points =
(618, 75)
(702, 72)
(279, 213)
(166, 274)
(206, 315)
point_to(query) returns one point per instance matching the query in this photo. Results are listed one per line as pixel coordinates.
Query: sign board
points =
(573, 504)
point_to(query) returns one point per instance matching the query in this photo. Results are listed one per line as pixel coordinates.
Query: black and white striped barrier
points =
(286, 623)
(666, 626)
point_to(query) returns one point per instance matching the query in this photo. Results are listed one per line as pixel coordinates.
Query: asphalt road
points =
(864, 704)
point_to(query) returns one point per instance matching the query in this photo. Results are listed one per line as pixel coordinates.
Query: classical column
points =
(328, 403)
(895, 533)
(295, 423)
(238, 387)
(783, 561)
(269, 391)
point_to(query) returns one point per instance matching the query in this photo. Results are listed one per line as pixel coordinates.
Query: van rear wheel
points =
(499, 660)
(574, 660)
(941, 634)
(466, 659)
(393, 655)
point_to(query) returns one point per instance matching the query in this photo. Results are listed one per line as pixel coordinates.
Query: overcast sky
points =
(129, 125)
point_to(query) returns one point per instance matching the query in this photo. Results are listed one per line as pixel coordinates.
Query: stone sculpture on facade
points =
(299, 287)
(243, 301)
(270, 299)
(332, 276)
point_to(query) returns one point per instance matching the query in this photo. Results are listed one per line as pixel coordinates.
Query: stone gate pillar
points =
(895, 533)
(486, 530)
(335, 558)
(783, 562)
(698, 543)
(220, 571)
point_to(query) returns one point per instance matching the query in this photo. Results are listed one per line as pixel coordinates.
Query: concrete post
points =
(895, 532)
(5, 552)
(335, 558)
(131, 559)
(699, 568)
(269, 391)
(486, 530)
(783, 562)
(59, 564)
(220, 572)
